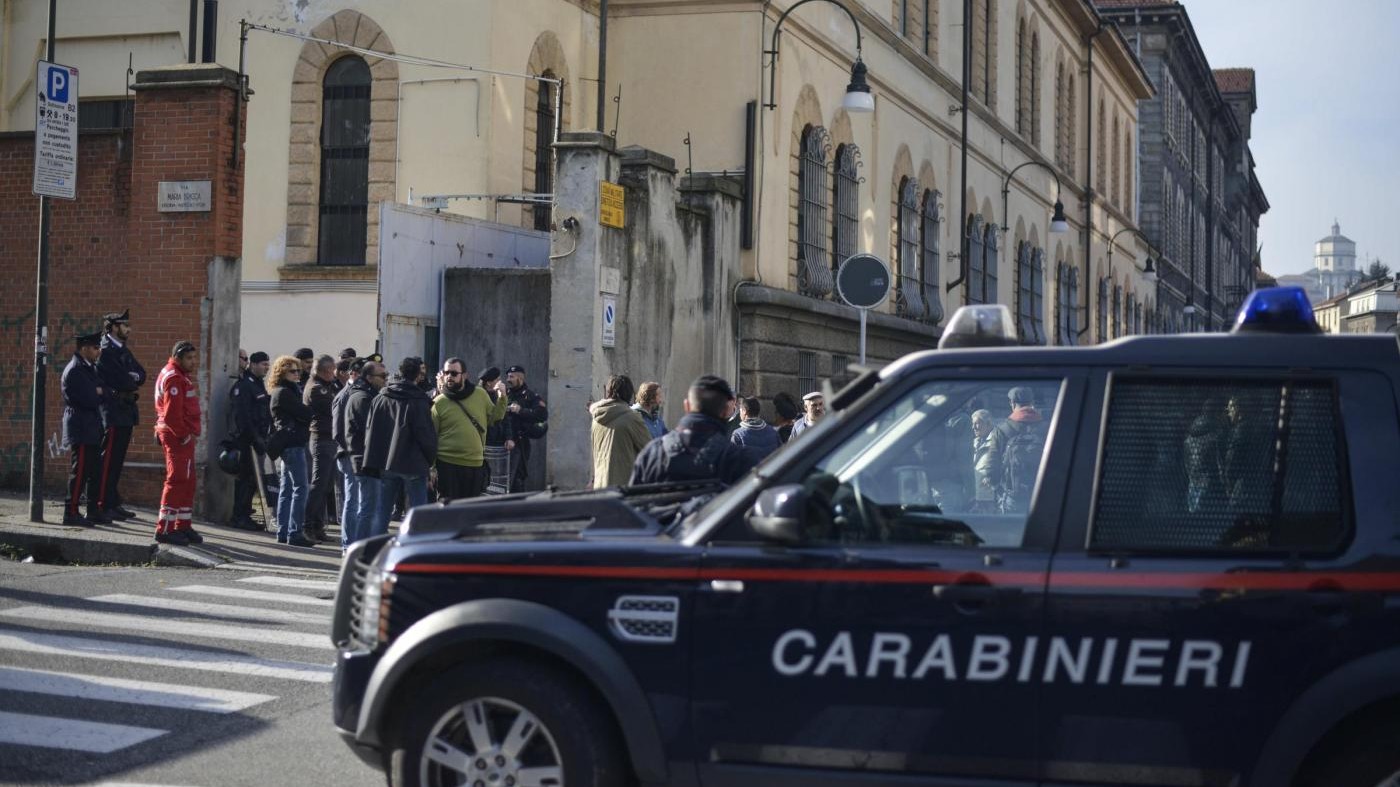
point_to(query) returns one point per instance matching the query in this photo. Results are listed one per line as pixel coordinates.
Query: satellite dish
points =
(863, 281)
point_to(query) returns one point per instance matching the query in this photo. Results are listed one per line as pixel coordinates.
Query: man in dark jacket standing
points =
(528, 418)
(83, 400)
(699, 448)
(121, 377)
(319, 394)
(352, 416)
(252, 424)
(400, 443)
(754, 433)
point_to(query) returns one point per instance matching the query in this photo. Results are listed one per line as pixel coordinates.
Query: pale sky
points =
(1326, 137)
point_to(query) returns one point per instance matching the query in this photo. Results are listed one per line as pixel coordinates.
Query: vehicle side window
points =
(951, 463)
(1211, 465)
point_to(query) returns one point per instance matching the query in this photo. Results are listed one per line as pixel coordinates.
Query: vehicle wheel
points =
(1370, 760)
(505, 723)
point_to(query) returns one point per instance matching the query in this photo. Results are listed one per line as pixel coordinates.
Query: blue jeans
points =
(367, 517)
(415, 490)
(291, 498)
(350, 502)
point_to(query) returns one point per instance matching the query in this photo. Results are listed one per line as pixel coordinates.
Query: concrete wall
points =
(501, 318)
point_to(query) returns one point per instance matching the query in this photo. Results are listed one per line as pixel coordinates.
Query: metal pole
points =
(37, 401)
(602, 63)
(862, 335)
(962, 190)
(194, 28)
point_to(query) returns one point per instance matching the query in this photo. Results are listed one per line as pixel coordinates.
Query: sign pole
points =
(863, 312)
(41, 350)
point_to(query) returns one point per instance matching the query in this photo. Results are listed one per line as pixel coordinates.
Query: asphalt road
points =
(162, 676)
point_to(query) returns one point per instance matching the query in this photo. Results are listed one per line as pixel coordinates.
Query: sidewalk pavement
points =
(133, 543)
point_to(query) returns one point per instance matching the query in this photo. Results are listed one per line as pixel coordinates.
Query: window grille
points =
(1117, 311)
(813, 272)
(344, 196)
(845, 230)
(1102, 316)
(909, 300)
(929, 251)
(544, 140)
(1248, 466)
(806, 371)
(976, 262)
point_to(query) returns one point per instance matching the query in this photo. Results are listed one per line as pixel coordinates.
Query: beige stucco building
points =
(1045, 88)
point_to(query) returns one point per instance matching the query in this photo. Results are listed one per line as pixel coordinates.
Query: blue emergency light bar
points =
(1276, 310)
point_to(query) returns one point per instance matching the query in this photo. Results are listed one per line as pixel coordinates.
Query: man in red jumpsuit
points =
(177, 430)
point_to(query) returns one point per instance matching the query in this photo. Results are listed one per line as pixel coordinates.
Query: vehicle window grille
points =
(357, 602)
(1247, 465)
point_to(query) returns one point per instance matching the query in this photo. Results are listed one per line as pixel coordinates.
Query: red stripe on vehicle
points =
(1255, 580)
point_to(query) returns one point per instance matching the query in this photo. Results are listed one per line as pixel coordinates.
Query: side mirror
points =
(777, 514)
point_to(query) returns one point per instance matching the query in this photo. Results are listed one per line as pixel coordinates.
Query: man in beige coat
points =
(619, 433)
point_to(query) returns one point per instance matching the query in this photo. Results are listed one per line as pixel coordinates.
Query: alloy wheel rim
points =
(490, 742)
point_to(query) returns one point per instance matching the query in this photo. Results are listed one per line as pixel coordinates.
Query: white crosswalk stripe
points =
(127, 629)
(288, 582)
(47, 732)
(219, 610)
(133, 692)
(142, 623)
(255, 595)
(160, 656)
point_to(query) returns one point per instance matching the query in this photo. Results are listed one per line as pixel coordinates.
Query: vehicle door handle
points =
(727, 585)
(974, 595)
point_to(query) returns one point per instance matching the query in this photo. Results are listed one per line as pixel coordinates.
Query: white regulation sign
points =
(56, 131)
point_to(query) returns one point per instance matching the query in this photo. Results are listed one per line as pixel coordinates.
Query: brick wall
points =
(110, 250)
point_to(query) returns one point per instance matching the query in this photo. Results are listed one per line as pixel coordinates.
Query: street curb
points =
(185, 557)
(47, 548)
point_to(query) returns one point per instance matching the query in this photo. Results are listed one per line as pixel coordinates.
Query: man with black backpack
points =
(1015, 448)
(698, 449)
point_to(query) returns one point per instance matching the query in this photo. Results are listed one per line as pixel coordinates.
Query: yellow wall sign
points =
(610, 204)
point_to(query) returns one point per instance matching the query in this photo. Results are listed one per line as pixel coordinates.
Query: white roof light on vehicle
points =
(988, 325)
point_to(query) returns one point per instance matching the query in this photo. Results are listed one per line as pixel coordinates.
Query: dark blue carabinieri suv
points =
(1160, 561)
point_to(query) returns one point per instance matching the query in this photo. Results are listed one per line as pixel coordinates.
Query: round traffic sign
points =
(863, 281)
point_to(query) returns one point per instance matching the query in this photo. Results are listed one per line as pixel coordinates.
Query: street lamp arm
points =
(773, 52)
(1006, 188)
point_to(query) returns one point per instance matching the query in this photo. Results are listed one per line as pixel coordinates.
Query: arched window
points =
(845, 199)
(984, 51)
(544, 142)
(1060, 160)
(344, 197)
(929, 246)
(1071, 125)
(1128, 303)
(1102, 315)
(1030, 293)
(1129, 159)
(1137, 317)
(1101, 156)
(1115, 182)
(813, 266)
(1035, 89)
(1023, 80)
(1117, 311)
(976, 262)
(1072, 334)
(990, 252)
(909, 301)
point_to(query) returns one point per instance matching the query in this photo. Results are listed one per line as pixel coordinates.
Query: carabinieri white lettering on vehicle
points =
(989, 657)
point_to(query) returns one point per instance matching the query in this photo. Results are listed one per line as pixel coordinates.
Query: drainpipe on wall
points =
(962, 190)
(1089, 177)
(602, 63)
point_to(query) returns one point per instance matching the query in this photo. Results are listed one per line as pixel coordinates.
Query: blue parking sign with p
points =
(56, 86)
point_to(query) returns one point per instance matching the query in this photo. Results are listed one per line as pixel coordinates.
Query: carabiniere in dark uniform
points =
(83, 400)
(122, 376)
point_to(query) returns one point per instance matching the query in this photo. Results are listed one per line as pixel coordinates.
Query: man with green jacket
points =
(462, 413)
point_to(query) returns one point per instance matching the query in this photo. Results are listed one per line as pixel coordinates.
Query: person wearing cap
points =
(83, 399)
(813, 408)
(529, 419)
(177, 430)
(252, 423)
(307, 357)
(122, 377)
(698, 449)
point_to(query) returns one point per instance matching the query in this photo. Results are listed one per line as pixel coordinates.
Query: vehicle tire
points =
(506, 723)
(1369, 760)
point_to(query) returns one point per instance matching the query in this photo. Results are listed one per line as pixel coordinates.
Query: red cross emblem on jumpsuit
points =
(177, 430)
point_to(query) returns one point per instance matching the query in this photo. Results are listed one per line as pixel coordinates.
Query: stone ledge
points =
(761, 295)
(637, 156)
(314, 272)
(586, 139)
(185, 75)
